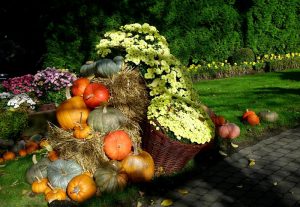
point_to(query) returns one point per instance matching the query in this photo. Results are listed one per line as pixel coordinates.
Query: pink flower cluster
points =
(18, 85)
(52, 79)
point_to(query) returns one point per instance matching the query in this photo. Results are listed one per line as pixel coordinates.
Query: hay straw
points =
(89, 152)
(128, 93)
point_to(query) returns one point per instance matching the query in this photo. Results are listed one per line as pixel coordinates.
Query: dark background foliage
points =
(36, 34)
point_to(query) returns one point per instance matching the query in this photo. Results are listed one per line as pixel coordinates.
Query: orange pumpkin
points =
(53, 155)
(9, 155)
(253, 119)
(40, 185)
(56, 194)
(117, 145)
(79, 86)
(247, 113)
(71, 112)
(81, 188)
(31, 147)
(139, 166)
(82, 131)
(22, 152)
(219, 120)
(96, 94)
(47, 190)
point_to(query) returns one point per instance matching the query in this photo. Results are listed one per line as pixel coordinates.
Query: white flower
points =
(19, 99)
(5, 95)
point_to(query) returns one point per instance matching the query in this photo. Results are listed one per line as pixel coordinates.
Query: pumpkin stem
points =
(105, 109)
(135, 148)
(36, 177)
(68, 93)
(50, 186)
(80, 118)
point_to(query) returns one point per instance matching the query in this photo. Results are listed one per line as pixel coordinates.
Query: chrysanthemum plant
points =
(172, 103)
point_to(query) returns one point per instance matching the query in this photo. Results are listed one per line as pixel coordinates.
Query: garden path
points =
(272, 178)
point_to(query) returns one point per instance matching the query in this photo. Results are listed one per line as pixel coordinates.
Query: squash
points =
(31, 146)
(218, 120)
(95, 94)
(56, 194)
(71, 112)
(9, 155)
(103, 67)
(268, 116)
(253, 119)
(139, 166)
(105, 119)
(110, 177)
(82, 131)
(38, 169)
(117, 145)
(40, 185)
(79, 86)
(60, 172)
(247, 113)
(228, 131)
(81, 188)
(22, 152)
(53, 155)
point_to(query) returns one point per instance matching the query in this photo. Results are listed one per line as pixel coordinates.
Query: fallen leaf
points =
(251, 162)
(166, 202)
(25, 192)
(222, 153)
(152, 202)
(15, 183)
(2, 165)
(239, 186)
(275, 183)
(139, 204)
(183, 191)
(234, 145)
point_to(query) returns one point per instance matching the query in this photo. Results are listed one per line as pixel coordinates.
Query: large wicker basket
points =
(169, 156)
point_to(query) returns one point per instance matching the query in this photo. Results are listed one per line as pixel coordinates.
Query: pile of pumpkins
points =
(21, 149)
(86, 112)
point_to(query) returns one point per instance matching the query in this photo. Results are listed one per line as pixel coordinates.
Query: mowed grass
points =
(276, 91)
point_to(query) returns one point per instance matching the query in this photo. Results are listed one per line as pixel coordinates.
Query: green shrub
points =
(56, 97)
(12, 123)
(242, 55)
(273, 26)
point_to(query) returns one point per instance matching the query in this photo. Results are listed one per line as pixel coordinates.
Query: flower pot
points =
(170, 156)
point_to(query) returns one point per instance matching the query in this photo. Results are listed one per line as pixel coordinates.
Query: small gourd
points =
(40, 185)
(269, 116)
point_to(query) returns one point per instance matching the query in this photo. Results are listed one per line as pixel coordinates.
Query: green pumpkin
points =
(105, 119)
(60, 172)
(269, 116)
(37, 170)
(103, 67)
(110, 177)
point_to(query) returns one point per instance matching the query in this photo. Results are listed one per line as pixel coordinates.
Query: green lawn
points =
(276, 91)
(279, 91)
